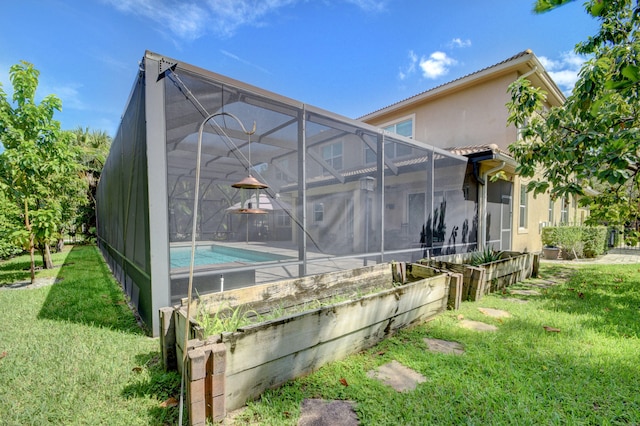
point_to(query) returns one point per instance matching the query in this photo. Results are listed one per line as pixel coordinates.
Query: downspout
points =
(482, 205)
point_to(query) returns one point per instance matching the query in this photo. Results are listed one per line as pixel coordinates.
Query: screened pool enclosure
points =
(340, 194)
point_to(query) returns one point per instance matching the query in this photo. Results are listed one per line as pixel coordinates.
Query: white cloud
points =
(191, 19)
(369, 5)
(70, 96)
(410, 68)
(564, 71)
(458, 42)
(186, 20)
(436, 65)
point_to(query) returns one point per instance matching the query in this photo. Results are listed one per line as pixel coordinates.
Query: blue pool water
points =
(213, 255)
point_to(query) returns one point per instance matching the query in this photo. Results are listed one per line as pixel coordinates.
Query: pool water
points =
(213, 255)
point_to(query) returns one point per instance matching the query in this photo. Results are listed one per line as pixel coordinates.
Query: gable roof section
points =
(524, 63)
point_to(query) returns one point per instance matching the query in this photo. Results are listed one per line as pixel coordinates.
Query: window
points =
(318, 212)
(564, 211)
(332, 154)
(402, 128)
(283, 219)
(524, 195)
(551, 206)
(393, 149)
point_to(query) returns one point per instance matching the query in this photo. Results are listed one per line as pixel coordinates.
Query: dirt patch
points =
(26, 285)
(320, 412)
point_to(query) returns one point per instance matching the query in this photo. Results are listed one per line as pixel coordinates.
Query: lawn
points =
(585, 371)
(72, 353)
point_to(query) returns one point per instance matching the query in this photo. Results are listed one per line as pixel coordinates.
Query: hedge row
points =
(581, 241)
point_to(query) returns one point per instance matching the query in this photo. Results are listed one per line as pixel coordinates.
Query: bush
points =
(578, 241)
(595, 240)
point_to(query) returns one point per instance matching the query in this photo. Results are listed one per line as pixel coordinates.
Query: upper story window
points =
(402, 128)
(551, 208)
(332, 154)
(393, 149)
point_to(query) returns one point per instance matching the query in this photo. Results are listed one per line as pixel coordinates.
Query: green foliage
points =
(520, 375)
(487, 255)
(225, 319)
(593, 139)
(595, 240)
(38, 168)
(578, 241)
(73, 353)
(93, 148)
(9, 224)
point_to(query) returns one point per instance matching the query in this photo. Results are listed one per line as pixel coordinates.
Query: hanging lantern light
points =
(250, 183)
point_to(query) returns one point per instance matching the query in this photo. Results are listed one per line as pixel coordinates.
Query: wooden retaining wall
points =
(267, 354)
(488, 277)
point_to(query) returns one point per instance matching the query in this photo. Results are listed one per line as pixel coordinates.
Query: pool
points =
(216, 254)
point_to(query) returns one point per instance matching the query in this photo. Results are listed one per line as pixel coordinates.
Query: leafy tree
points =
(593, 140)
(93, 147)
(9, 224)
(38, 166)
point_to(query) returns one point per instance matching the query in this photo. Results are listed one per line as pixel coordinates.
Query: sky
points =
(351, 57)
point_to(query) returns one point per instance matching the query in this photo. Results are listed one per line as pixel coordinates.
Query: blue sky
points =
(351, 57)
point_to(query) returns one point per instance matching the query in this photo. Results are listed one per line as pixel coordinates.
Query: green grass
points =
(75, 354)
(587, 374)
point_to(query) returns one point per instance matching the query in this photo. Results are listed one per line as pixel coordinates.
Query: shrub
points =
(576, 241)
(595, 240)
(549, 236)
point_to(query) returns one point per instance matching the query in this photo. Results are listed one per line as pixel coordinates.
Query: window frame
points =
(523, 219)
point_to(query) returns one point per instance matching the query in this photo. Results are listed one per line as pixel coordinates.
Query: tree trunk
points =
(32, 254)
(32, 248)
(60, 245)
(46, 257)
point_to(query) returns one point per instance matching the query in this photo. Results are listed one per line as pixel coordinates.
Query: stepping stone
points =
(495, 313)
(320, 412)
(477, 325)
(444, 346)
(526, 292)
(396, 375)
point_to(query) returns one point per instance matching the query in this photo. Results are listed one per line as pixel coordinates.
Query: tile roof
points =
(474, 149)
(514, 57)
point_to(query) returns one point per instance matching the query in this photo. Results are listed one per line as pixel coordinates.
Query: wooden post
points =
(168, 339)
(455, 290)
(536, 265)
(206, 384)
(476, 283)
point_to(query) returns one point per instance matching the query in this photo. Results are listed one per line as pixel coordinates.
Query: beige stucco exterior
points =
(471, 111)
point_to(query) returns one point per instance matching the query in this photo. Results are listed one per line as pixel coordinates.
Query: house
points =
(408, 181)
(334, 193)
(468, 116)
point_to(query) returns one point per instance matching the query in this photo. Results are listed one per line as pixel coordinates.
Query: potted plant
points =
(550, 248)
